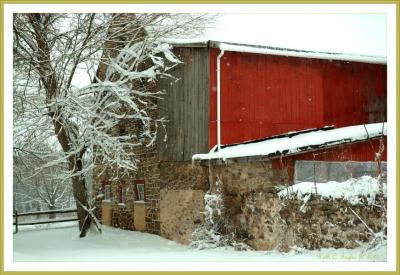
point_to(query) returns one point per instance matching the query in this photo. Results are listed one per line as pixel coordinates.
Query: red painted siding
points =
(264, 95)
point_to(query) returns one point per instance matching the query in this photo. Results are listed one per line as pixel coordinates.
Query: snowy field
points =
(62, 244)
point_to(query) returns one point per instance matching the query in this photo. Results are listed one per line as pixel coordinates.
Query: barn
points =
(245, 119)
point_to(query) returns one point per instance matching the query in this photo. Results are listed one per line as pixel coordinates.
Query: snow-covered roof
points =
(297, 142)
(263, 49)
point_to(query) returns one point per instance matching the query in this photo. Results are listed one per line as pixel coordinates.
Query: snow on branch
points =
(79, 77)
(124, 62)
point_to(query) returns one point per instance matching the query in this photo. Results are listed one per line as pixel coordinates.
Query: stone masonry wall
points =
(191, 181)
(181, 212)
(183, 176)
(147, 170)
(329, 223)
(183, 186)
(122, 214)
(150, 172)
(122, 217)
(147, 165)
(266, 222)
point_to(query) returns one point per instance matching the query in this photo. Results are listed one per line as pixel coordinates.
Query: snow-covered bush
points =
(361, 193)
(216, 230)
(352, 190)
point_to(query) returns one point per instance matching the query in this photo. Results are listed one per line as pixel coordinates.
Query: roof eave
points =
(269, 50)
(278, 154)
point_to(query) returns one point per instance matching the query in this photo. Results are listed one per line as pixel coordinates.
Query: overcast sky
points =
(348, 33)
(344, 33)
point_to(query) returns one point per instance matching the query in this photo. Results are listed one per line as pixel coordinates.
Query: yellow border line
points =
(2, 136)
(198, 2)
(398, 136)
(3, 2)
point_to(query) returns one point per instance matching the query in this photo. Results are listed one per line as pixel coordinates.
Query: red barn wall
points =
(265, 95)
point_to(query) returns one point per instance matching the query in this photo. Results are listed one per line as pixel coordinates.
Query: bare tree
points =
(45, 188)
(76, 76)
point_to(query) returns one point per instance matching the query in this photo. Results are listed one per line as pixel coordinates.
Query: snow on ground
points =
(291, 145)
(49, 244)
(351, 190)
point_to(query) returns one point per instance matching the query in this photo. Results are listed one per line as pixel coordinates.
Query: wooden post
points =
(16, 221)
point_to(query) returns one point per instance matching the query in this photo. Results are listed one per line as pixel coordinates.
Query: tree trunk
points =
(80, 195)
(63, 128)
(75, 166)
(52, 215)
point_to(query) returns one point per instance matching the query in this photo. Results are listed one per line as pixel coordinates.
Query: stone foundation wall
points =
(106, 213)
(123, 217)
(112, 212)
(183, 176)
(175, 203)
(180, 213)
(271, 223)
(149, 171)
(158, 176)
(140, 216)
(266, 222)
(183, 186)
(330, 223)
(240, 180)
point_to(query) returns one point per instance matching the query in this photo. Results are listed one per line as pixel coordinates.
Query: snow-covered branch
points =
(78, 79)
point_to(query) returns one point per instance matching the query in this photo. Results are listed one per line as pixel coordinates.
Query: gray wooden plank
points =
(186, 106)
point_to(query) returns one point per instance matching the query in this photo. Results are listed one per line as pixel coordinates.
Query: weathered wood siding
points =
(186, 106)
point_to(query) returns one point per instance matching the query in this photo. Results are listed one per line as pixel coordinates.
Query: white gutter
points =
(219, 100)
